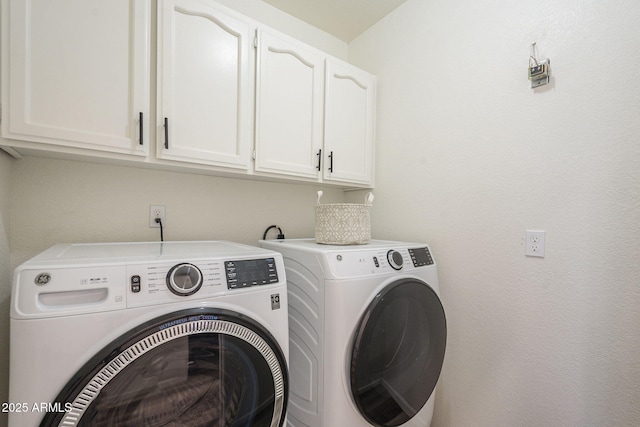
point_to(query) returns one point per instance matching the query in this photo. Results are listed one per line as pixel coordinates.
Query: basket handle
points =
(368, 199)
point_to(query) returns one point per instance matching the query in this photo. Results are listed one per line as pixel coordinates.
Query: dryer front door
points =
(198, 367)
(397, 352)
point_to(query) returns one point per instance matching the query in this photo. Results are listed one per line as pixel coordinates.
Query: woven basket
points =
(343, 223)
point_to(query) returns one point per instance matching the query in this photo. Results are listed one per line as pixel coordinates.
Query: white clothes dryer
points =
(367, 333)
(141, 334)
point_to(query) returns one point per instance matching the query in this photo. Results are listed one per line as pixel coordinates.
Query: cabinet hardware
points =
(319, 159)
(141, 129)
(331, 162)
(166, 133)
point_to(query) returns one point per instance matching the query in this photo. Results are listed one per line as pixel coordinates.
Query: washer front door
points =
(199, 367)
(397, 352)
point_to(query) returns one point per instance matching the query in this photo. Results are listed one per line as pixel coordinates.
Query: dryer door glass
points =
(194, 368)
(397, 352)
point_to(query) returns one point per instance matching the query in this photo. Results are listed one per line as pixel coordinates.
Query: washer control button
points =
(184, 279)
(395, 259)
(135, 284)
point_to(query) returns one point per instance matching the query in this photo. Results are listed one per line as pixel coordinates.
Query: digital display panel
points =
(420, 257)
(253, 272)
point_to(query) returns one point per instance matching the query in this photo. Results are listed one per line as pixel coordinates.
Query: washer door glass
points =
(193, 368)
(397, 352)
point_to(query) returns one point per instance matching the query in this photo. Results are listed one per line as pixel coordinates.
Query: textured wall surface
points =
(57, 201)
(469, 157)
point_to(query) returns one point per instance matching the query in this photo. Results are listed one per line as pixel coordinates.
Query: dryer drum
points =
(199, 367)
(398, 351)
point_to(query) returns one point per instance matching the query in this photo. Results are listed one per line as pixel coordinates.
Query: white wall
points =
(56, 201)
(469, 157)
(5, 276)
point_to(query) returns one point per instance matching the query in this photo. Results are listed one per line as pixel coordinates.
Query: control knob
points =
(395, 259)
(184, 279)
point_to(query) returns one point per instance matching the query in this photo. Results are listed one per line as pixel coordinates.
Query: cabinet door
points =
(349, 123)
(76, 73)
(289, 101)
(204, 85)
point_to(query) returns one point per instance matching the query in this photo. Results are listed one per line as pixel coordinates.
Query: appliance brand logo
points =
(42, 279)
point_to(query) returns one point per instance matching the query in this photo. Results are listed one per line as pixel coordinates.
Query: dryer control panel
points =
(353, 263)
(420, 257)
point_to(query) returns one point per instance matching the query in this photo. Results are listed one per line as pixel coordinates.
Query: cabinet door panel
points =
(349, 123)
(78, 73)
(205, 85)
(289, 106)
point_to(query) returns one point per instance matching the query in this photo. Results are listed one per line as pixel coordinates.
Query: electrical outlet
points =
(534, 244)
(157, 212)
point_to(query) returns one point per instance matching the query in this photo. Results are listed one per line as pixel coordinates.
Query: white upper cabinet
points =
(76, 74)
(314, 114)
(289, 106)
(205, 97)
(349, 123)
(232, 95)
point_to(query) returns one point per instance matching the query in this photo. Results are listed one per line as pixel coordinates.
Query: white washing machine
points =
(142, 334)
(367, 333)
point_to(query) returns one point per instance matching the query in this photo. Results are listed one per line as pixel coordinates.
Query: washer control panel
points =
(162, 282)
(89, 278)
(158, 282)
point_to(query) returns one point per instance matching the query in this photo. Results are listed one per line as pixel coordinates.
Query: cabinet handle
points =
(319, 159)
(141, 129)
(331, 162)
(166, 133)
